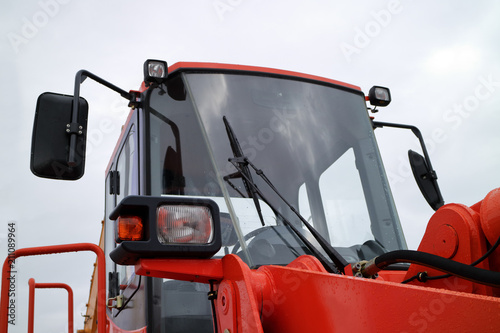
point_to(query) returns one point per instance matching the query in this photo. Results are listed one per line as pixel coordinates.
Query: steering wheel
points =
(248, 236)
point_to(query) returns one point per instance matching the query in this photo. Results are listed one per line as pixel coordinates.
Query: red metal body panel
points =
(305, 301)
(31, 302)
(303, 297)
(196, 270)
(457, 232)
(101, 279)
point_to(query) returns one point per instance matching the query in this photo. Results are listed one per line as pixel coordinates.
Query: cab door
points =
(125, 290)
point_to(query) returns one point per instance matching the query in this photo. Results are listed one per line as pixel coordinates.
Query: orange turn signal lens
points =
(129, 228)
(184, 224)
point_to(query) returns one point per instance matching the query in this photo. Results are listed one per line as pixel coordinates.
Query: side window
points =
(121, 181)
(127, 168)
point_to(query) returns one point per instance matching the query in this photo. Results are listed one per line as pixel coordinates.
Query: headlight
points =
(184, 224)
(165, 227)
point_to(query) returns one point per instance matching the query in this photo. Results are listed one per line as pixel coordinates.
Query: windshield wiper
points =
(243, 169)
(241, 164)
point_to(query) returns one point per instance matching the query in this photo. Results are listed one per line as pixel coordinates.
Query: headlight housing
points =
(165, 227)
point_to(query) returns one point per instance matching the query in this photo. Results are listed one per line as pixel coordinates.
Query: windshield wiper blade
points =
(333, 254)
(241, 164)
(245, 174)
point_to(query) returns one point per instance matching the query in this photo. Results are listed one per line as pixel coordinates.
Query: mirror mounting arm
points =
(431, 173)
(418, 134)
(74, 128)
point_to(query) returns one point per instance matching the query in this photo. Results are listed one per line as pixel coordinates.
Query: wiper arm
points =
(244, 172)
(241, 163)
(333, 254)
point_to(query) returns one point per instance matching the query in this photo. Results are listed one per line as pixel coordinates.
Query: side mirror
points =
(426, 180)
(52, 129)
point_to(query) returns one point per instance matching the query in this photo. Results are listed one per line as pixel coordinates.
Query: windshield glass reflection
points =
(313, 141)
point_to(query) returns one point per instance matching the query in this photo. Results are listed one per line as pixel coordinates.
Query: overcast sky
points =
(440, 60)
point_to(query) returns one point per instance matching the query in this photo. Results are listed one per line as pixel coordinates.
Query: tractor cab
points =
(214, 159)
(270, 149)
(248, 199)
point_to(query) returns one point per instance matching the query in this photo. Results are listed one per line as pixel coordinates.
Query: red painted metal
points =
(196, 270)
(31, 306)
(101, 278)
(490, 216)
(460, 233)
(302, 297)
(305, 301)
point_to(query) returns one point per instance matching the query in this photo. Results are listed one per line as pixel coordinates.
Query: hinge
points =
(113, 284)
(114, 182)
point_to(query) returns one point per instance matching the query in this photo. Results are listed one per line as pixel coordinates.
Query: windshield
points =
(313, 141)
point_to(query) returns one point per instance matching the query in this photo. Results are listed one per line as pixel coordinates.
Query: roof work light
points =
(379, 96)
(165, 227)
(155, 71)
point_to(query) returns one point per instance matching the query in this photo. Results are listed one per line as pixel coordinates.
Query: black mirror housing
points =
(52, 129)
(426, 180)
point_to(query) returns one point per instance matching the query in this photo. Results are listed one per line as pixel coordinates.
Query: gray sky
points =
(440, 60)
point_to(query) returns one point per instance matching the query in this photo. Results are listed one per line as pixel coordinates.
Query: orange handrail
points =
(31, 306)
(101, 280)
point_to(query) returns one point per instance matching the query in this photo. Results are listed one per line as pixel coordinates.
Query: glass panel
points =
(298, 133)
(127, 167)
(344, 203)
(312, 141)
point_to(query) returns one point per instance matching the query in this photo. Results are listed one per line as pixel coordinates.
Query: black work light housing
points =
(155, 71)
(379, 96)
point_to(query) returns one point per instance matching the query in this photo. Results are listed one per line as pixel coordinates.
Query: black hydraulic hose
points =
(422, 276)
(458, 269)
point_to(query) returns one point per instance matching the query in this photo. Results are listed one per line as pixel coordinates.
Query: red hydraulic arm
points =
(101, 280)
(31, 306)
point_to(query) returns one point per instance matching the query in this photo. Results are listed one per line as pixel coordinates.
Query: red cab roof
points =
(216, 66)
